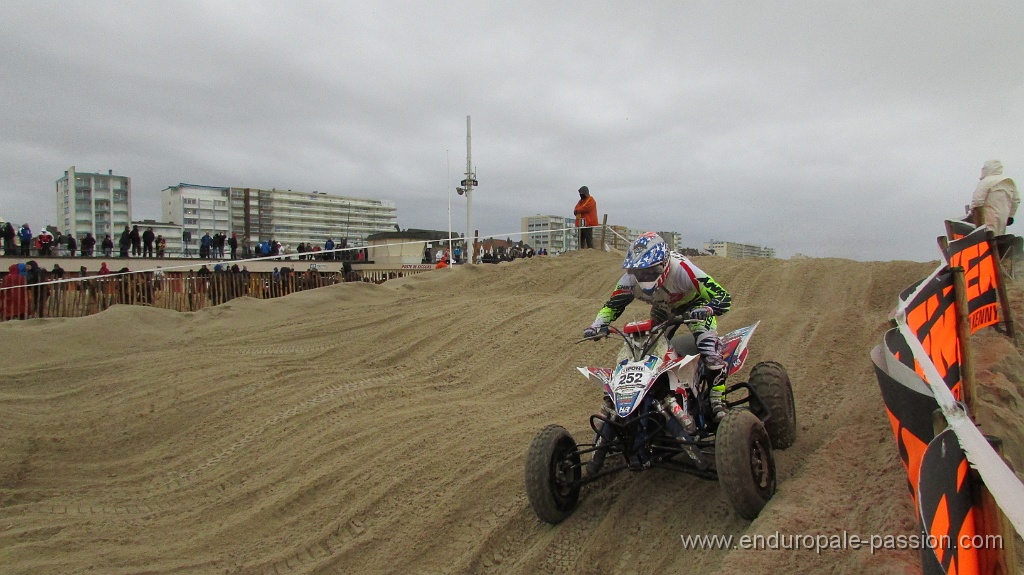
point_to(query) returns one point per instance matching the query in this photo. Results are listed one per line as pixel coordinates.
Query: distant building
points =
(99, 204)
(294, 217)
(619, 237)
(286, 216)
(198, 210)
(735, 250)
(673, 239)
(556, 234)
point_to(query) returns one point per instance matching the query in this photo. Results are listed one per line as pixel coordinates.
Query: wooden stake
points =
(943, 242)
(990, 521)
(1004, 300)
(604, 228)
(963, 335)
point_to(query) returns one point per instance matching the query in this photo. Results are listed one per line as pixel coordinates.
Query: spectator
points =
(136, 240)
(233, 245)
(161, 246)
(9, 235)
(36, 278)
(205, 246)
(25, 235)
(329, 249)
(186, 239)
(586, 217)
(88, 245)
(148, 237)
(158, 277)
(995, 199)
(218, 245)
(46, 243)
(72, 245)
(124, 243)
(108, 246)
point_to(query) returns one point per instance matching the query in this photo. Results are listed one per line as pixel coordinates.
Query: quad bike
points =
(657, 413)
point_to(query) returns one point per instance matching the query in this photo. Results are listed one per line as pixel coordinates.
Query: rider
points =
(673, 286)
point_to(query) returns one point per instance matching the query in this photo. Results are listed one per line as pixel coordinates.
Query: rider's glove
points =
(595, 331)
(702, 313)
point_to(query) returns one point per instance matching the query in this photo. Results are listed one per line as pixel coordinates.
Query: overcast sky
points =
(840, 129)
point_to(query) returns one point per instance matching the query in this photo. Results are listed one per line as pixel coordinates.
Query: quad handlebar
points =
(673, 321)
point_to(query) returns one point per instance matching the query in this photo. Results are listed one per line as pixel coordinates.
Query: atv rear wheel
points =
(743, 458)
(553, 474)
(771, 382)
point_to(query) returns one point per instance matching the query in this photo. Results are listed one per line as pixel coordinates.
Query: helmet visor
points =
(648, 274)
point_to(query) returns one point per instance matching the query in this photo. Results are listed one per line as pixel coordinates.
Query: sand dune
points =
(381, 429)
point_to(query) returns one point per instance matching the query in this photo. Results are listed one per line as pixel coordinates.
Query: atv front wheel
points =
(771, 382)
(743, 458)
(553, 474)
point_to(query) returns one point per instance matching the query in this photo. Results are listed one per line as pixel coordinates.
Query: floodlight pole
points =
(468, 184)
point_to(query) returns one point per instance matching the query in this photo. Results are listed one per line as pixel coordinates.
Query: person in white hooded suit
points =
(995, 200)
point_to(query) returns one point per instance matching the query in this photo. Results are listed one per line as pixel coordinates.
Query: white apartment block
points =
(197, 209)
(99, 204)
(296, 217)
(736, 250)
(556, 234)
(285, 216)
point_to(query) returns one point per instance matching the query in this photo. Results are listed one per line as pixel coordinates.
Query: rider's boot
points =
(715, 371)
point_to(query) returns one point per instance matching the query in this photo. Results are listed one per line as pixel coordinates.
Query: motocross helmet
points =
(647, 262)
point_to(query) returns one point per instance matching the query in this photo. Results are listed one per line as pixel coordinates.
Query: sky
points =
(829, 129)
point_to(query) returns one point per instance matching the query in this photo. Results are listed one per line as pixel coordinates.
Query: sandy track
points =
(382, 429)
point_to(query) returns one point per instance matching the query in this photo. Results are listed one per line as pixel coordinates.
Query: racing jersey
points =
(686, 286)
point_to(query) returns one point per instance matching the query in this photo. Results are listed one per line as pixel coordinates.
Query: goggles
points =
(647, 274)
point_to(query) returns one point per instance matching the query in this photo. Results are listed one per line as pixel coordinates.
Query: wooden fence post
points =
(1004, 300)
(963, 335)
(992, 522)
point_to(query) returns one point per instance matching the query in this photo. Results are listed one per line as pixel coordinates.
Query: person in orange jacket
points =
(586, 217)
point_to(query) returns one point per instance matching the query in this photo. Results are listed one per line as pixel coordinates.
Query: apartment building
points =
(94, 203)
(556, 234)
(292, 217)
(737, 250)
(197, 209)
(286, 216)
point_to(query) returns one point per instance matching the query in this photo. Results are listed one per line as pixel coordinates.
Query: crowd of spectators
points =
(20, 241)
